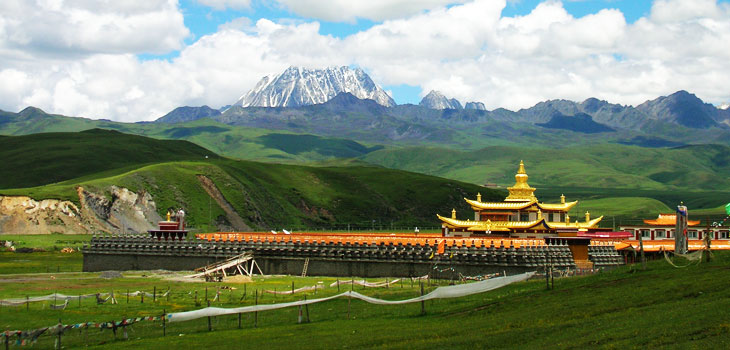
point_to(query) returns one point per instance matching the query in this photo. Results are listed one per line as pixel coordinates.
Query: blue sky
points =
(138, 59)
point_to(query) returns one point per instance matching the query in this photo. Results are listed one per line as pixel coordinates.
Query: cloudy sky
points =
(133, 60)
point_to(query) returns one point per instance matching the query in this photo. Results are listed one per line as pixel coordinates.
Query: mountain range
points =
(680, 118)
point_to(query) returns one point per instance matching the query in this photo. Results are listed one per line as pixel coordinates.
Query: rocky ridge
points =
(126, 211)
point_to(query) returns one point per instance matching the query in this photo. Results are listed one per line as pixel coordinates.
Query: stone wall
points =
(334, 259)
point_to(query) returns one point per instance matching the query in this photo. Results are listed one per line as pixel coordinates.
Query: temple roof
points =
(669, 220)
(477, 205)
(504, 226)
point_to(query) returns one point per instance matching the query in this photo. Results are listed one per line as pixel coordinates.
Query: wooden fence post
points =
(306, 307)
(59, 333)
(210, 327)
(154, 294)
(423, 302)
(164, 322)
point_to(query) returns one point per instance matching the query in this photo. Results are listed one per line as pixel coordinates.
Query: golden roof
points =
(504, 205)
(503, 226)
(477, 205)
(521, 191)
(559, 206)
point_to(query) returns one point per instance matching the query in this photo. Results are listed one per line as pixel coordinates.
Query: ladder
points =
(306, 265)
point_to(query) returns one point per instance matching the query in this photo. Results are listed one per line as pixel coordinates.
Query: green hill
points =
(264, 195)
(271, 196)
(40, 159)
(616, 174)
(231, 141)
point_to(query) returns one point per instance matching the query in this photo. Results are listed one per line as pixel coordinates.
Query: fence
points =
(158, 323)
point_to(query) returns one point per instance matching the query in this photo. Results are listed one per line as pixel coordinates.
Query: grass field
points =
(660, 307)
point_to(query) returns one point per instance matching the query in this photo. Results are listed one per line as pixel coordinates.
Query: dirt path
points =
(233, 217)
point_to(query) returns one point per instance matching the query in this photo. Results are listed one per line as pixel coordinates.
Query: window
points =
(562, 217)
(524, 216)
(692, 234)
(659, 233)
(645, 234)
(724, 234)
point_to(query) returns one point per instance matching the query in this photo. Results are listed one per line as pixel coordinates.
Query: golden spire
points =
(453, 213)
(521, 191)
(588, 216)
(539, 214)
(562, 198)
(567, 218)
(479, 197)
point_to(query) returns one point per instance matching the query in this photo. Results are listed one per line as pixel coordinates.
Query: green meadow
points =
(629, 307)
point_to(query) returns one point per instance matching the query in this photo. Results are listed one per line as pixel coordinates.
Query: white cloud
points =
(221, 5)
(350, 10)
(78, 27)
(466, 51)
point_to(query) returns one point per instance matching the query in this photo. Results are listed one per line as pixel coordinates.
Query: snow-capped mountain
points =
(437, 100)
(475, 105)
(724, 106)
(298, 86)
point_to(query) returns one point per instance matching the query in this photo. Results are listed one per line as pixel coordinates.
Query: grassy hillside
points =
(270, 196)
(231, 141)
(40, 159)
(617, 174)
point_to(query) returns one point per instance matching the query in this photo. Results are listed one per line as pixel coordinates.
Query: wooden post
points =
(127, 295)
(206, 294)
(552, 278)
(348, 304)
(256, 313)
(292, 287)
(423, 302)
(386, 283)
(154, 294)
(239, 320)
(306, 307)
(641, 249)
(59, 334)
(141, 301)
(196, 298)
(338, 285)
(27, 303)
(210, 327)
(164, 322)
(352, 284)
(708, 241)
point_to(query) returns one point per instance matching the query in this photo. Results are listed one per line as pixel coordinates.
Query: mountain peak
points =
(185, 114)
(682, 108)
(300, 86)
(437, 100)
